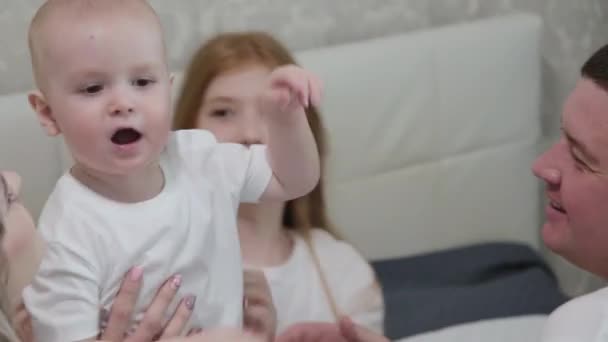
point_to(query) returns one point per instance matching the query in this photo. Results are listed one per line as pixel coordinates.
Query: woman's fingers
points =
(180, 318)
(355, 333)
(119, 316)
(23, 323)
(153, 321)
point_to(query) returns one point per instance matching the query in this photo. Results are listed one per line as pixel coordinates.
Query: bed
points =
(432, 134)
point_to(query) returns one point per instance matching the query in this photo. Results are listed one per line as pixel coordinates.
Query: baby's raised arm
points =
(292, 151)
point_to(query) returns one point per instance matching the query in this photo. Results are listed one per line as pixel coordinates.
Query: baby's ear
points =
(43, 111)
(171, 78)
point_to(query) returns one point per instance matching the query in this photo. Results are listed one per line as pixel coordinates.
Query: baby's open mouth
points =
(125, 136)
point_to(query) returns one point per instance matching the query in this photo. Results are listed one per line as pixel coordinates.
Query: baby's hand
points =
(290, 89)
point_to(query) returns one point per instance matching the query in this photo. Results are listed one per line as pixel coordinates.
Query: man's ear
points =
(44, 113)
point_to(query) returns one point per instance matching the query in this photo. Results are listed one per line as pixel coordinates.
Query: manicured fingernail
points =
(136, 273)
(190, 301)
(176, 282)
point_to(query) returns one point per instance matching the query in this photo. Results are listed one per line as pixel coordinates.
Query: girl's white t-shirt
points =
(299, 295)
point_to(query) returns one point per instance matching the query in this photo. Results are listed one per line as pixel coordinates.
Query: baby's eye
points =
(92, 89)
(143, 82)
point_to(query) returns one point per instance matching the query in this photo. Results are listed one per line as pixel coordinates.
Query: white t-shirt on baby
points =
(187, 229)
(298, 293)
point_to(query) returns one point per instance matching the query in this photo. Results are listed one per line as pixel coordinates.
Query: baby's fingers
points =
(296, 81)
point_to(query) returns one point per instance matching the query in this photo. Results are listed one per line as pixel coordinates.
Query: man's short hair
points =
(596, 67)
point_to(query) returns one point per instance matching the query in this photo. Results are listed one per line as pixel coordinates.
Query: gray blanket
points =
(437, 290)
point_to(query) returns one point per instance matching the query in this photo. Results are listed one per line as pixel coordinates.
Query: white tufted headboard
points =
(433, 134)
(431, 137)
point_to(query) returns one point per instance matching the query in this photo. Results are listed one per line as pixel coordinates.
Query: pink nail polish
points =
(190, 301)
(176, 282)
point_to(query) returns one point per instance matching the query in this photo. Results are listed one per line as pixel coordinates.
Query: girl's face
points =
(229, 109)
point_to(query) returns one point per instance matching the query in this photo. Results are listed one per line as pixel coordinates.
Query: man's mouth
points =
(125, 136)
(557, 206)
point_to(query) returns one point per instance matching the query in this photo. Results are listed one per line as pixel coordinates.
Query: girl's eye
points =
(220, 113)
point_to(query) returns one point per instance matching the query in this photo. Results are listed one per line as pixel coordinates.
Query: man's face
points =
(575, 171)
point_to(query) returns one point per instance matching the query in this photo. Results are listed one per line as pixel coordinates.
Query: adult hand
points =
(312, 332)
(222, 335)
(22, 322)
(218, 335)
(152, 327)
(344, 331)
(259, 313)
(356, 333)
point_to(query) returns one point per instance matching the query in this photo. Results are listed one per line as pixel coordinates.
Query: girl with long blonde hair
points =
(313, 274)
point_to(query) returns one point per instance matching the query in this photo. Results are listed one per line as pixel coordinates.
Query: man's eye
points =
(580, 164)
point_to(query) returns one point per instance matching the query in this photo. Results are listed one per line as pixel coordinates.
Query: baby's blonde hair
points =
(76, 9)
